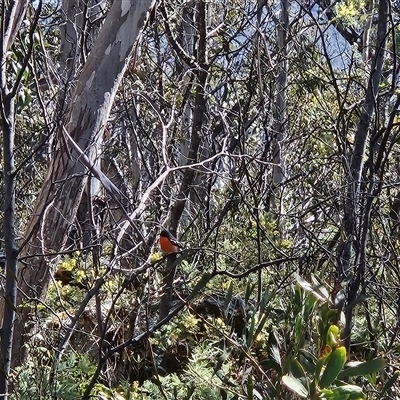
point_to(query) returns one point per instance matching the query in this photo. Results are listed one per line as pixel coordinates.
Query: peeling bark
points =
(61, 193)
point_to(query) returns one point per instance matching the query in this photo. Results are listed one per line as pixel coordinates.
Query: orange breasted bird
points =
(168, 243)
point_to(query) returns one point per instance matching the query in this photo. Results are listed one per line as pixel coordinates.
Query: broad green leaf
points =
(349, 389)
(296, 368)
(307, 361)
(325, 354)
(331, 395)
(334, 365)
(307, 286)
(295, 386)
(326, 394)
(364, 368)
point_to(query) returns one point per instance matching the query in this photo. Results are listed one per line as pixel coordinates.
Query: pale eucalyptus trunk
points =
(279, 125)
(86, 118)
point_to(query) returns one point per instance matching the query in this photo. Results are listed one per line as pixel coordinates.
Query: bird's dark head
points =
(164, 233)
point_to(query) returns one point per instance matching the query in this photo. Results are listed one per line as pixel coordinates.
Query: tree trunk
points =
(353, 199)
(280, 106)
(11, 20)
(360, 143)
(10, 246)
(61, 193)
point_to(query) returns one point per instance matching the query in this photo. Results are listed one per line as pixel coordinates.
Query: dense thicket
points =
(264, 136)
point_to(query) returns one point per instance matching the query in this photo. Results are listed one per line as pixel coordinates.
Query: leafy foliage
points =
(196, 134)
(37, 379)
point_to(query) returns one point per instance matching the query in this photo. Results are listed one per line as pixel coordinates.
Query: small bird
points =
(168, 243)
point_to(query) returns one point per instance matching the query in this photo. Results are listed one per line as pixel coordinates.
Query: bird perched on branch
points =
(169, 244)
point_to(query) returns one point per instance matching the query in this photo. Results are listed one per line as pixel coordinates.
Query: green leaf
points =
(249, 290)
(307, 360)
(201, 284)
(250, 386)
(298, 331)
(326, 353)
(297, 297)
(332, 336)
(326, 394)
(329, 394)
(349, 389)
(10, 304)
(267, 296)
(334, 365)
(261, 324)
(307, 286)
(309, 306)
(296, 368)
(295, 386)
(363, 368)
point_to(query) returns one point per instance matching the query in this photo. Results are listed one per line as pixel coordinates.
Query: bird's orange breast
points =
(167, 246)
